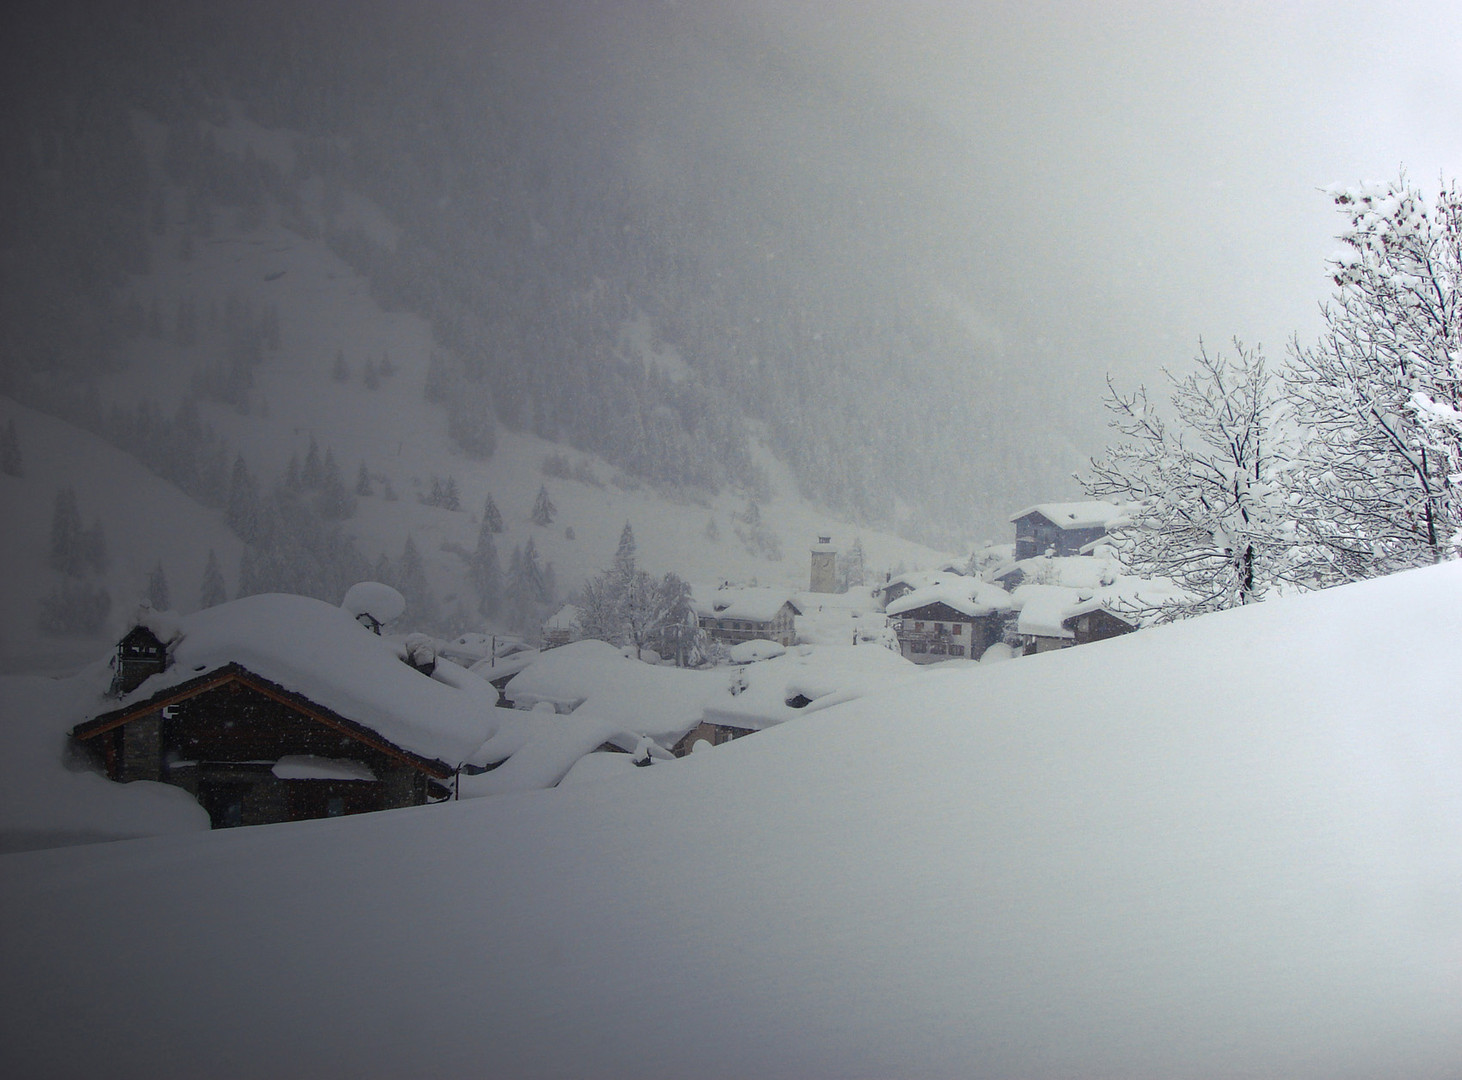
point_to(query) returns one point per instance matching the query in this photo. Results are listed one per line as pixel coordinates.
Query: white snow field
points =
(1226, 848)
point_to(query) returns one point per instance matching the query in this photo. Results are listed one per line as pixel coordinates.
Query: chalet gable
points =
(232, 676)
(1061, 528)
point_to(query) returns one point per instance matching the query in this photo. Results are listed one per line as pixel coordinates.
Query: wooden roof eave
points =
(237, 673)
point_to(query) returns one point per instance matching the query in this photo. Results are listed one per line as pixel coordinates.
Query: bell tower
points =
(824, 566)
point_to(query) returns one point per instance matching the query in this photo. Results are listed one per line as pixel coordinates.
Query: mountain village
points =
(276, 707)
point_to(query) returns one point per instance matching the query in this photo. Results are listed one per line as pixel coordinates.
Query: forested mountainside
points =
(630, 225)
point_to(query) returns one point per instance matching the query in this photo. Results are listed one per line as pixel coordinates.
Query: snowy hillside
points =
(323, 383)
(1226, 848)
(145, 520)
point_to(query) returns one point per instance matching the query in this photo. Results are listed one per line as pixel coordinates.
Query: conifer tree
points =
(251, 573)
(314, 471)
(66, 544)
(340, 370)
(543, 508)
(11, 462)
(243, 513)
(623, 566)
(492, 518)
(157, 589)
(334, 502)
(363, 486)
(212, 592)
(94, 547)
(484, 573)
(421, 602)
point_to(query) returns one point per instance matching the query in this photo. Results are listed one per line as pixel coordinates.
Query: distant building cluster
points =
(278, 708)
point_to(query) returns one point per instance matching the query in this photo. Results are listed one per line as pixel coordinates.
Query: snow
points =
(600, 766)
(320, 651)
(1227, 847)
(1044, 608)
(593, 681)
(747, 652)
(310, 767)
(380, 602)
(623, 693)
(823, 674)
(43, 802)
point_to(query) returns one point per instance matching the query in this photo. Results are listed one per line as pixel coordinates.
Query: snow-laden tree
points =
(1206, 505)
(1379, 392)
(626, 606)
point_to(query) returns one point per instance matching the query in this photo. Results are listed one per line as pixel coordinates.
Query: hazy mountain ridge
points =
(541, 197)
(255, 345)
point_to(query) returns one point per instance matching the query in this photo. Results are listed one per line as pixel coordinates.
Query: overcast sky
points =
(1150, 173)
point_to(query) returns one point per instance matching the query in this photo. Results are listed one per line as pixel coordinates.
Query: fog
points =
(1113, 181)
(871, 223)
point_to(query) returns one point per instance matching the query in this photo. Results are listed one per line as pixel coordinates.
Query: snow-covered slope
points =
(1226, 848)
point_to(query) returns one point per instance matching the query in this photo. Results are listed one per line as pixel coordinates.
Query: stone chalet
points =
(952, 617)
(733, 614)
(1061, 528)
(279, 708)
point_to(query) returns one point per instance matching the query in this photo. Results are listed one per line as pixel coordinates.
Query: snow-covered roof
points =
(1045, 608)
(537, 748)
(498, 667)
(968, 596)
(747, 652)
(631, 696)
(566, 618)
(823, 675)
(1074, 515)
(319, 651)
(1095, 571)
(750, 602)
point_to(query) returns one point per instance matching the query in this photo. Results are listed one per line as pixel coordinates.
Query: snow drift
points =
(1231, 847)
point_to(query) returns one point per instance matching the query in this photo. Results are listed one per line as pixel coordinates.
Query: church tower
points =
(824, 565)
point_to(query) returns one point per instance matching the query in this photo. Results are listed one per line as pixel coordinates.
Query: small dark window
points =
(335, 806)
